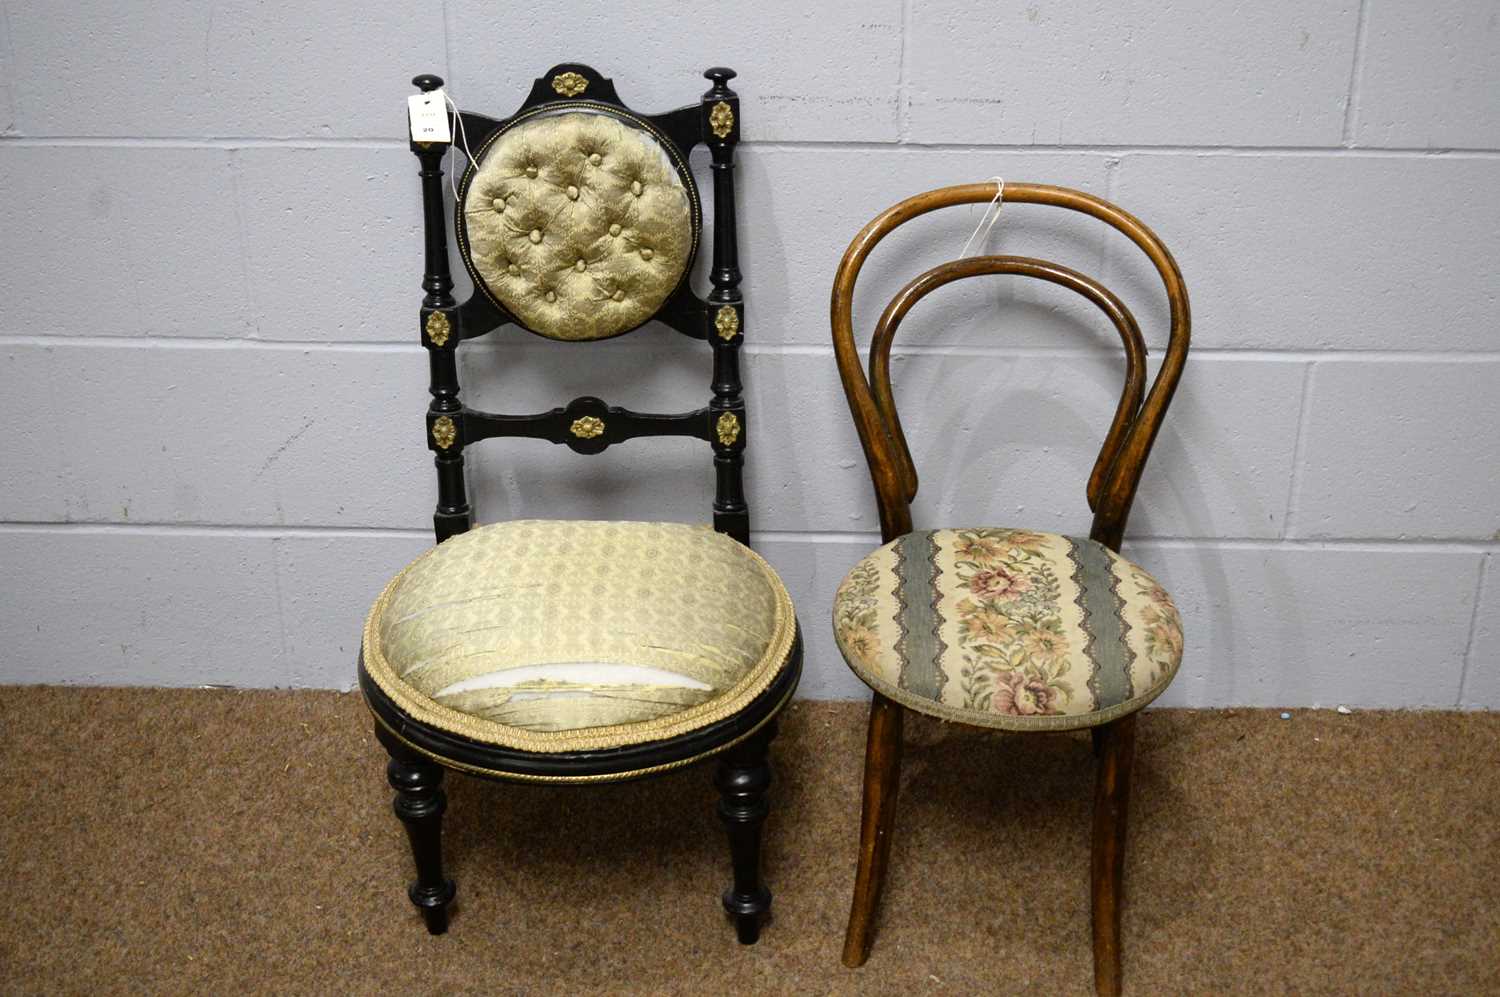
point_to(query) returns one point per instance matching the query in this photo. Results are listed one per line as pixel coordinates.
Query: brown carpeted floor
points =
(223, 842)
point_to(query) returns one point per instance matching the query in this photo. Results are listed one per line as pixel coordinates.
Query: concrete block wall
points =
(213, 398)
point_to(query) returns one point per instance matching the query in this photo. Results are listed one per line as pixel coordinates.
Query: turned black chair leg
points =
(420, 802)
(743, 778)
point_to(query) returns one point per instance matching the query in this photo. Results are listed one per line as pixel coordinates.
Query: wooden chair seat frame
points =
(1110, 491)
(419, 753)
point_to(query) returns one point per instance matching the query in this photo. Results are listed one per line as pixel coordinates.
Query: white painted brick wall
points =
(214, 399)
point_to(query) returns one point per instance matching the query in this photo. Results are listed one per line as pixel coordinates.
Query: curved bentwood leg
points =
(878, 821)
(743, 778)
(1116, 747)
(420, 802)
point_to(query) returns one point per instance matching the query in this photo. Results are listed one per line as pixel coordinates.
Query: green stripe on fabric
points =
(920, 648)
(1109, 654)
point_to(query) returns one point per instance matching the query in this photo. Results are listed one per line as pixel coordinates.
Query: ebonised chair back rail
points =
(1116, 473)
(587, 425)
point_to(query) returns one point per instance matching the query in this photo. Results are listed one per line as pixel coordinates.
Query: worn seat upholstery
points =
(578, 223)
(556, 635)
(1008, 628)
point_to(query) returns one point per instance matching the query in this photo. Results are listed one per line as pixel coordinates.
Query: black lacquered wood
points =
(419, 804)
(571, 427)
(731, 513)
(743, 780)
(452, 513)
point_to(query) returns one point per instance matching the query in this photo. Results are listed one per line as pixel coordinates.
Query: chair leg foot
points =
(744, 776)
(1115, 746)
(877, 823)
(420, 802)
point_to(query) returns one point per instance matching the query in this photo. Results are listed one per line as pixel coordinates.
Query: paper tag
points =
(429, 117)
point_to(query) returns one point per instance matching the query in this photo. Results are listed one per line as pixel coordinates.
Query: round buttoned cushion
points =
(562, 636)
(579, 224)
(1008, 628)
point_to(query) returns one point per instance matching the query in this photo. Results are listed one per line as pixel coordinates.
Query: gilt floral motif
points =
(728, 428)
(727, 321)
(587, 427)
(721, 119)
(569, 84)
(444, 432)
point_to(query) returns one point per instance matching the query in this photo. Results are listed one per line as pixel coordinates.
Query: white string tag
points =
(997, 202)
(429, 118)
(463, 137)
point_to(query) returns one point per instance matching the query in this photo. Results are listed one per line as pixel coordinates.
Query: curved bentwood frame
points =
(720, 319)
(420, 753)
(1111, 490)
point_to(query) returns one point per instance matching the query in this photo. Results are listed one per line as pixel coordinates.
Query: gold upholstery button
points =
(531, 172)
(513, 270)
(595, 158)
(536, 235)
(498, 204)
(635, 187)
(579, 266)
(614, 229)
(572, 193)
(618, 295)
(551, 296)
(646, 254)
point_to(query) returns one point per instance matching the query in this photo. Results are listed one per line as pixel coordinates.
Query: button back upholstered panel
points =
(580, 224)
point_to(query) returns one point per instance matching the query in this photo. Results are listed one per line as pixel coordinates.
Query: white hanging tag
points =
(996, 203)
(429, 116)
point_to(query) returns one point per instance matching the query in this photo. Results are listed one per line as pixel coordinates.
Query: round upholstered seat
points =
(579, 224)
(1008, 628)
(557, 636)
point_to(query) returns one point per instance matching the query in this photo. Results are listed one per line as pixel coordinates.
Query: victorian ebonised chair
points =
(1006, 628)
(582, 652)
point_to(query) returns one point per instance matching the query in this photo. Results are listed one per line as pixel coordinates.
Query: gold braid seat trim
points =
(560, 636)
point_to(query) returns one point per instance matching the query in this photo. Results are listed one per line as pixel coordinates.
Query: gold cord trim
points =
(447, 762)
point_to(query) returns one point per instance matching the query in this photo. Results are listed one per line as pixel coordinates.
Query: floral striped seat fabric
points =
(1008, 628)
(563, 635)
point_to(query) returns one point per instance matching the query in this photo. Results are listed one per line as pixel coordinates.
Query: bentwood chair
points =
(582, 652)
(1002, 627)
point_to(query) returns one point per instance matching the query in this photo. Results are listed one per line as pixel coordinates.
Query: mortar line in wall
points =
(276, 591)
(903, 82)
(909, 147)
(10, 61)
(1105, 149)
(1463, 673)
(1294, 479)
(768, 349)
(1356, 71)
(1370, 544)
